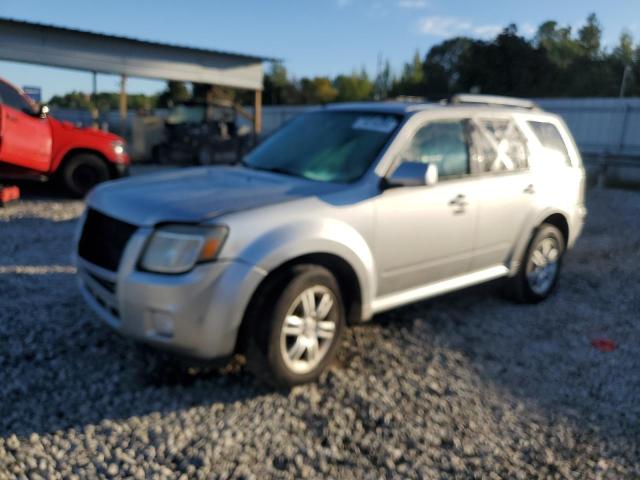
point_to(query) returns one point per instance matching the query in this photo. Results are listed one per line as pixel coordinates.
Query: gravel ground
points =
(467, 385)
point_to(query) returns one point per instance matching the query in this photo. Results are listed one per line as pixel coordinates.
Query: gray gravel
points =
(468, 385)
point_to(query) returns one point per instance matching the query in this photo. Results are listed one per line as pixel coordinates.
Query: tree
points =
(74, 100)
(353, 88)
(590, 36)
(561, 49)
(317, 90)
(175, 92)
(278, 89)
(442, 67)
(625, 51)
(104, 101)
(383, 82)
(508, 65)
(411, 79)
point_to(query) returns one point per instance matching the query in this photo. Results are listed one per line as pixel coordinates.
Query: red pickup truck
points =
(33, 144)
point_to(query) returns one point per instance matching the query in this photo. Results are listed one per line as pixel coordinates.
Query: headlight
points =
(178, 248)
(119, 148)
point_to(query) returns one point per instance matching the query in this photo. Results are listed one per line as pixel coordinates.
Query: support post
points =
(123, 105)
(94, 102)
(257, 114)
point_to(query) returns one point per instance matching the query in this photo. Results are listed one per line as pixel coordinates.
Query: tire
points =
(285, 345)
(540, 267)
(82, 172)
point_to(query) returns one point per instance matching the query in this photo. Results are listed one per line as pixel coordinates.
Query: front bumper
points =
(196, 314)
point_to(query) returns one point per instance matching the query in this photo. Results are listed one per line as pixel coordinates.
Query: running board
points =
(409, 296)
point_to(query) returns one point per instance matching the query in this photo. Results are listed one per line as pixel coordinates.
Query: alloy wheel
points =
(542, 267)
(308, 329)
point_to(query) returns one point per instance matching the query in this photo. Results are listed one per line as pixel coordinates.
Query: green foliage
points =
(278, 89)
(353, 88)
(411, 81)
(175, 92)
(317, 90)
(104, 101)
(589, 37)
(383, 82)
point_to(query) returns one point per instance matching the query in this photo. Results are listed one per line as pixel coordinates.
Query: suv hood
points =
(198, 194)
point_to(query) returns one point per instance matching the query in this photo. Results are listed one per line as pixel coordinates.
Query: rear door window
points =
(498, 145)
(550, 137)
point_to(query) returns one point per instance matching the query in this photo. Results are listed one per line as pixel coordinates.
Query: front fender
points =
(329, 236)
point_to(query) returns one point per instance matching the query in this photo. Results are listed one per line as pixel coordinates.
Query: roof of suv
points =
(398, 108)
(461, 100)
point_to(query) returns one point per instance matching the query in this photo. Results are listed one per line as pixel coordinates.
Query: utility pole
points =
(625, 79)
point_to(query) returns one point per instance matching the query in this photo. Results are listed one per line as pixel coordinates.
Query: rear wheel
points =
(82, 172)
(293, 341)
(540, 268)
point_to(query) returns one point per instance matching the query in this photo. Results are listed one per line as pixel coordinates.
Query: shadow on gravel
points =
(34, 190)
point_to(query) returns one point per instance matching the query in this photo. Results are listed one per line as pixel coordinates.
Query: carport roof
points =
(44, 44)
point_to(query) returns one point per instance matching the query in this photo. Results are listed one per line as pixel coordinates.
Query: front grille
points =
(103, 240)
(110, 286)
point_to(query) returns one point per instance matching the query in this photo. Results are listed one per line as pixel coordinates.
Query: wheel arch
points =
(72, 152)
(559, 221)
(351, 288)
(553, 217)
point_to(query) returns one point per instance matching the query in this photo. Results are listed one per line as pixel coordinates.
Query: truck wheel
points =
(540, 268)
(295, 327)
(82, 172)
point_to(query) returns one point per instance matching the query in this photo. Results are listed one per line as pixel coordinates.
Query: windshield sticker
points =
(383, 124)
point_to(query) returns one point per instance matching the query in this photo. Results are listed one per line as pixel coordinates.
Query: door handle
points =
(459, 202)
(530, 189)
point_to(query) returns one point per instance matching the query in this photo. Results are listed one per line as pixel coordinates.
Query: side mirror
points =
(413, 174)
(43, 111)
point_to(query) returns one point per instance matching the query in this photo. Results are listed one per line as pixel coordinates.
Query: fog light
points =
(162, 323)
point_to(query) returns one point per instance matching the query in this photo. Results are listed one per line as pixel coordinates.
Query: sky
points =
(312, 37)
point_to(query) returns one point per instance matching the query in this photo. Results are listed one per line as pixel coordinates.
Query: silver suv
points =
(347, 211)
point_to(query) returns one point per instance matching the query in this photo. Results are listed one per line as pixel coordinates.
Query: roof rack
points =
(493, 101)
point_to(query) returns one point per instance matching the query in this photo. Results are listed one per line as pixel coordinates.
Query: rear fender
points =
(529, 230)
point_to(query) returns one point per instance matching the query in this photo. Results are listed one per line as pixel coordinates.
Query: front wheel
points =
(539, 271)
(82, 172)
(294, 341)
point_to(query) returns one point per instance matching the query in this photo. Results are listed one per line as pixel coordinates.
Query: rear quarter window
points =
(550, 137)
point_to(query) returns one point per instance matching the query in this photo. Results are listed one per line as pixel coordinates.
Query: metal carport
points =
(50, 45)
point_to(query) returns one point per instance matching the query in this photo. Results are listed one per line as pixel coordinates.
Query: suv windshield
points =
(327, 146)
